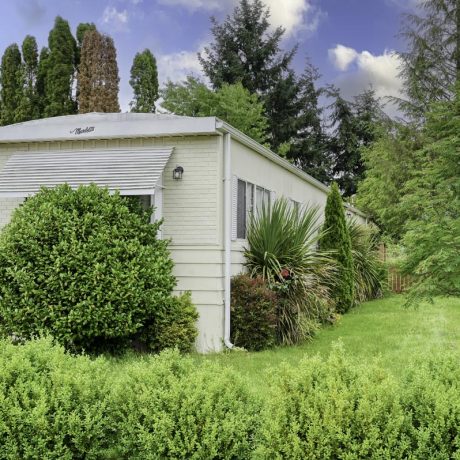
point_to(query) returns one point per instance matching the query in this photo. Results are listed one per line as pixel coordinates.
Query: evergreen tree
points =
(308, 150)
(282, 109)
(29, 106)
(245, 50)
(59, 69)
(11, 79)
(390, 162)
(337, 239)
(144, 81)
(82, 28)
(432, 199)
(98, 79)
(431, 64)
(232, 103)
(355, 125)
(43, 63)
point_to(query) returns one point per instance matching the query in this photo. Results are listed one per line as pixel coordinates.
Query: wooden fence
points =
(396, 281)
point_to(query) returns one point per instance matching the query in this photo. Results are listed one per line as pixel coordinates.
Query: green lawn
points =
(381, 329)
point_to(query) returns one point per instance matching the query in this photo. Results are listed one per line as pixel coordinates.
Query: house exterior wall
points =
(191, 213)
(251, 166)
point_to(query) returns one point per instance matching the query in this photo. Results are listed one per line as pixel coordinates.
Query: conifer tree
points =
(29, 106)
(41, 80)
(59, 69)
(431, 62)
(97, 85)
(308, 149)
(246, 50)
(354, 126)
(337, 239)
(144, 81)
(11, 79)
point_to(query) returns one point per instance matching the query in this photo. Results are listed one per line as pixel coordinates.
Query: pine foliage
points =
(336, 238)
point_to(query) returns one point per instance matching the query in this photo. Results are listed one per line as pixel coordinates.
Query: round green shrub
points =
(167, 406)
(253, 309)
(53, 405)
(332, 409)
(84, 266)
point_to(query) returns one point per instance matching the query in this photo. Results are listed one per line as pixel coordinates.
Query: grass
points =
(381, 329)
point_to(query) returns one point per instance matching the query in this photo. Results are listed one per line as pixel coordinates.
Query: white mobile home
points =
(202, 175)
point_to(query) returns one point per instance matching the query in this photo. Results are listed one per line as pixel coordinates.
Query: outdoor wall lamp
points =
(177, 172)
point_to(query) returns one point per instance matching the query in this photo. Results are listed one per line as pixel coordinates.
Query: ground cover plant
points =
(87, 267)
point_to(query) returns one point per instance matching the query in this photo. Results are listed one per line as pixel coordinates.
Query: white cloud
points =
(116, 20)
(293, 15)
(377, 71)
(176, 66)
(407, 4)
(342, 56)
(198, 4)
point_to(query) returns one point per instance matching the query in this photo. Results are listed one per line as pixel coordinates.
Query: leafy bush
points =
(168, 407)
(57, 406)
(84, 266)
(174, 325)
(282, 250)
(368, 271)
(253, 310)
(336, 238)
(53, 405)
(339, 409)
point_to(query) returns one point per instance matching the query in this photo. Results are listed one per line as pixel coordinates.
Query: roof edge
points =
(223, 126)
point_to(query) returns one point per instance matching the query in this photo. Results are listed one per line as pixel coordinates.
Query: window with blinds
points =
(250, 199)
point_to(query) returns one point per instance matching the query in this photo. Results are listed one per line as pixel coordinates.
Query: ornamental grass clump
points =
(282, 250)
(87, 268)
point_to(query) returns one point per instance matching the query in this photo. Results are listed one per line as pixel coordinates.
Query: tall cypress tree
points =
(98, 79)
(29, 106)
(59, 70)
(11, 79)
(337, 239)
(144, 81)
(43, 63)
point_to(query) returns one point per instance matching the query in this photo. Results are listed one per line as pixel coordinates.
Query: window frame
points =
(250, 204)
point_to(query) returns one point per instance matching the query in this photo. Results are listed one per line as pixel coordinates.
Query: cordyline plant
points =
(282, 244)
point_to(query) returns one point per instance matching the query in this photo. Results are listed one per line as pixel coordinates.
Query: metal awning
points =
(133, 172)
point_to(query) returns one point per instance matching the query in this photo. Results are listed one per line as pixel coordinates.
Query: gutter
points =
(227, 235)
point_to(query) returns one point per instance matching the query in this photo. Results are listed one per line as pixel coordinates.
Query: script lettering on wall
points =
(77, 131)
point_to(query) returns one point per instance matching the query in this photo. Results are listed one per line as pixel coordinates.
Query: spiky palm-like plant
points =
(282, 250)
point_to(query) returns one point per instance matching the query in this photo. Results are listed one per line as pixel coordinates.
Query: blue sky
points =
(352, 42)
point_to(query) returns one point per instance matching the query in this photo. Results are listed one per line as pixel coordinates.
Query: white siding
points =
(255, 168)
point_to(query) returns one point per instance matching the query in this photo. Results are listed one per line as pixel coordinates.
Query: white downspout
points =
(227, 235)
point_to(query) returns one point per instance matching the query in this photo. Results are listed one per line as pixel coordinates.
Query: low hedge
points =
(57, 406)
